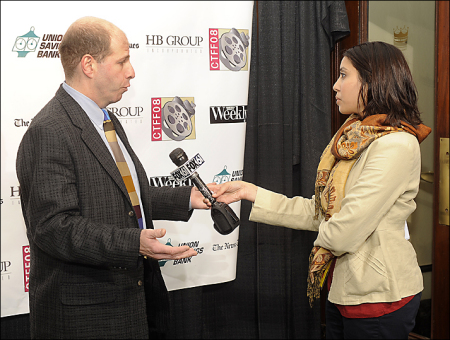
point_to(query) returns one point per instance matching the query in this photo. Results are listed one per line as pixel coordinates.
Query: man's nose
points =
(131, 73)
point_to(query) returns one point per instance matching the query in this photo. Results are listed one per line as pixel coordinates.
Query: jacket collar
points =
(91, 137)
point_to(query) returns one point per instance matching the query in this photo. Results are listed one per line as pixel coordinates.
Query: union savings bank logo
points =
(173, 118)
(193, 244)
(29, 42)
(228, 49)
(26, 43)
(225, 176)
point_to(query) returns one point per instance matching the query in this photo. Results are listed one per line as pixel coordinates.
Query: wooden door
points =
(440, 279)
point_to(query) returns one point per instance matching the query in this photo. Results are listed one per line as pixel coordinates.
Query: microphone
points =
(225, 220)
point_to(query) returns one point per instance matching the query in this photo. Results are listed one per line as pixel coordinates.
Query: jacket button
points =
(131, 213)
(140, 283)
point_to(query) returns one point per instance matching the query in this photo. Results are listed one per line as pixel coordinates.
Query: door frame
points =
(440, 275)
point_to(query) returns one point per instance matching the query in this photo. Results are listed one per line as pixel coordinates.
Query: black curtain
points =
(288, 126)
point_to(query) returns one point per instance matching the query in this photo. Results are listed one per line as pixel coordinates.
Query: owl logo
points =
(222, 177)
(26, 43)
(163, 262)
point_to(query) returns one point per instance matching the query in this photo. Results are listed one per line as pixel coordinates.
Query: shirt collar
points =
(92, 110)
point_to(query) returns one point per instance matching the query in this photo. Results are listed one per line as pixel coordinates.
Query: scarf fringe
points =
(317, 278)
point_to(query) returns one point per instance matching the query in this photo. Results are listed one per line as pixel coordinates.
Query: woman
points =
(367, 179)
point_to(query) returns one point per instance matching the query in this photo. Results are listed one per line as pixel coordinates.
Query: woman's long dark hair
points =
(387, 85)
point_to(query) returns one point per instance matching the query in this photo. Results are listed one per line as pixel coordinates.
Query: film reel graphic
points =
(176, 117)
(232, 46)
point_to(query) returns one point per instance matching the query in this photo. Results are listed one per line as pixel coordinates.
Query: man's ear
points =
(88, 65)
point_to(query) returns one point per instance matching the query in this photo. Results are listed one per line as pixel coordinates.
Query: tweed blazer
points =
(375, 262)
(87, 279)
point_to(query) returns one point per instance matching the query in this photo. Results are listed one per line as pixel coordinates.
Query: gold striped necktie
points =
(111, 136)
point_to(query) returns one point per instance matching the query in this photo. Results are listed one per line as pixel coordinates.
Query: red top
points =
(367, 310)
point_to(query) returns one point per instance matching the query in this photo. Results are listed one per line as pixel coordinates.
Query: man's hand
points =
(151, 247)
(197, 199)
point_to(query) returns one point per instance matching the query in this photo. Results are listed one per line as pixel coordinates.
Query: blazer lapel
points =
(91, 137)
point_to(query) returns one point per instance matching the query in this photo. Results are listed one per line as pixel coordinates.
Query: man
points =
(94, 269)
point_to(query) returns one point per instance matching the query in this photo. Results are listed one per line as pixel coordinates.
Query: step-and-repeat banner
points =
(190, 91)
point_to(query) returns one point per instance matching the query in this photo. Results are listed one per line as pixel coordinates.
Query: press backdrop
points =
(189, 57)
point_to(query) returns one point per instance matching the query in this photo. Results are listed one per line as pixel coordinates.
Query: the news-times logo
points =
(20, 122)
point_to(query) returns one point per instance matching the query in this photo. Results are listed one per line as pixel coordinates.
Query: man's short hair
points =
(87, 35)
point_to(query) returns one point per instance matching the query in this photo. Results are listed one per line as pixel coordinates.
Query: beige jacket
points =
(376, 263)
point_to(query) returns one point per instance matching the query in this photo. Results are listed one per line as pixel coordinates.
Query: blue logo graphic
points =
(163, 262)
(222, 177)
(26, 43)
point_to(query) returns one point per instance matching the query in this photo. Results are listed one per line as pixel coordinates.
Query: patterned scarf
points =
(336, 161)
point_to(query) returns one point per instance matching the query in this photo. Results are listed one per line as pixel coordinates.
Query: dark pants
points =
(395, 325)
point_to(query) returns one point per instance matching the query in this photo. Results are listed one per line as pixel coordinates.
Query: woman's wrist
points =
(251, 191)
